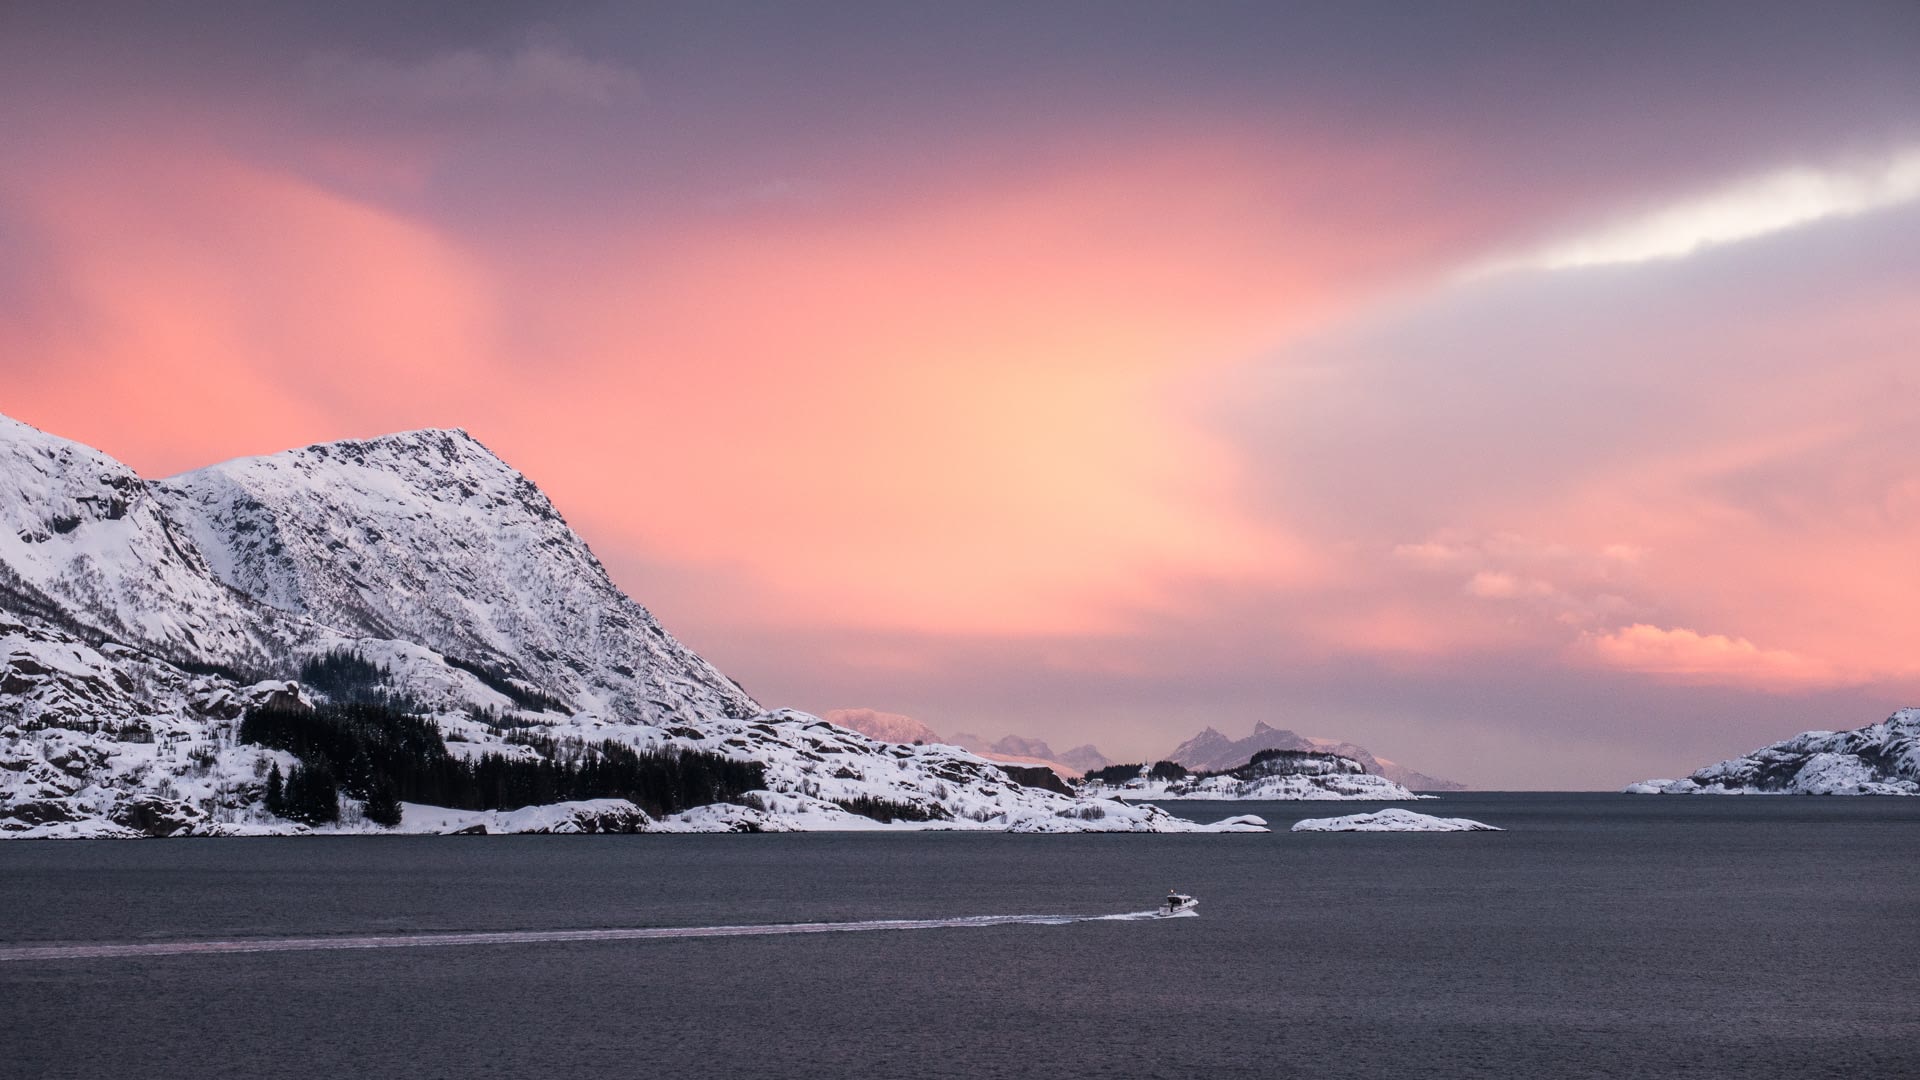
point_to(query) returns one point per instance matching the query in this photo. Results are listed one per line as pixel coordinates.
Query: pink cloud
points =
(1685, 655)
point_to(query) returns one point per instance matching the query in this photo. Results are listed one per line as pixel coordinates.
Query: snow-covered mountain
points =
(427, 537)
(140, 621)
(1211, 751)
(1880, 759)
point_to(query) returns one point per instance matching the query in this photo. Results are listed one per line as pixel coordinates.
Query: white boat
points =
(1176, 904)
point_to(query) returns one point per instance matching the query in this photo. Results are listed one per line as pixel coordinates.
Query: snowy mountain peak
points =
(429, 537)
(424, 537)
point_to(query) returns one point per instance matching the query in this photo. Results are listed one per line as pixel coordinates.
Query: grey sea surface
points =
(1601, 936)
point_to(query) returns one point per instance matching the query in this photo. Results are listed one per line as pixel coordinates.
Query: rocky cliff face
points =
(1880, 759)
(140, 620)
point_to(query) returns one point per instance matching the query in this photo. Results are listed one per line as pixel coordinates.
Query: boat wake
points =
(524, 937)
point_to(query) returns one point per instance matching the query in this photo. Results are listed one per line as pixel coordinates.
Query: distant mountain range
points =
(1013, 750)
(1211, 751)
(1080, 759)
(1879, 759)
(412, 613)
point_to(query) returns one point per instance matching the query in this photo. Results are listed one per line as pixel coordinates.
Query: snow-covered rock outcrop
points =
(1880, 759)
(141, 620)
(1277, 775)
(1392, 820)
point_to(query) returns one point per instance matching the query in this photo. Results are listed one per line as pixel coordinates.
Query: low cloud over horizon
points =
(1529, 397)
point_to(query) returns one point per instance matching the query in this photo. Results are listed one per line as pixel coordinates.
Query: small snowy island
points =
(1393, 820)
(1880, 759)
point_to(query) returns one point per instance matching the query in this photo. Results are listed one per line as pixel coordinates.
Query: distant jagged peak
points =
(1212, 751)
(1021, 746)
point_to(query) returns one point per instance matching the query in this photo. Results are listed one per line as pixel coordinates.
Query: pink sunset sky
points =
(1530, 395)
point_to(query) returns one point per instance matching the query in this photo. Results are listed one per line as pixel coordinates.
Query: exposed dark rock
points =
(1036, 776)
(154, 815)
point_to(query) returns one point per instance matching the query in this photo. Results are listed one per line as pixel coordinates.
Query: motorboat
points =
(1176, 904)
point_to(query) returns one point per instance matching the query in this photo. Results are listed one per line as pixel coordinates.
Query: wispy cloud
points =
(1743, 210)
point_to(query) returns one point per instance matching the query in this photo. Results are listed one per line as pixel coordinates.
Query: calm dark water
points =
(1603, 936)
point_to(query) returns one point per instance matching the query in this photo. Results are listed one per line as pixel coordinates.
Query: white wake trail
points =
(522, 937)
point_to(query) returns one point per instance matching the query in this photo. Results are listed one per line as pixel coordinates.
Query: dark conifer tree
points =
(311, 796)
(276, 791)
(383, 807)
